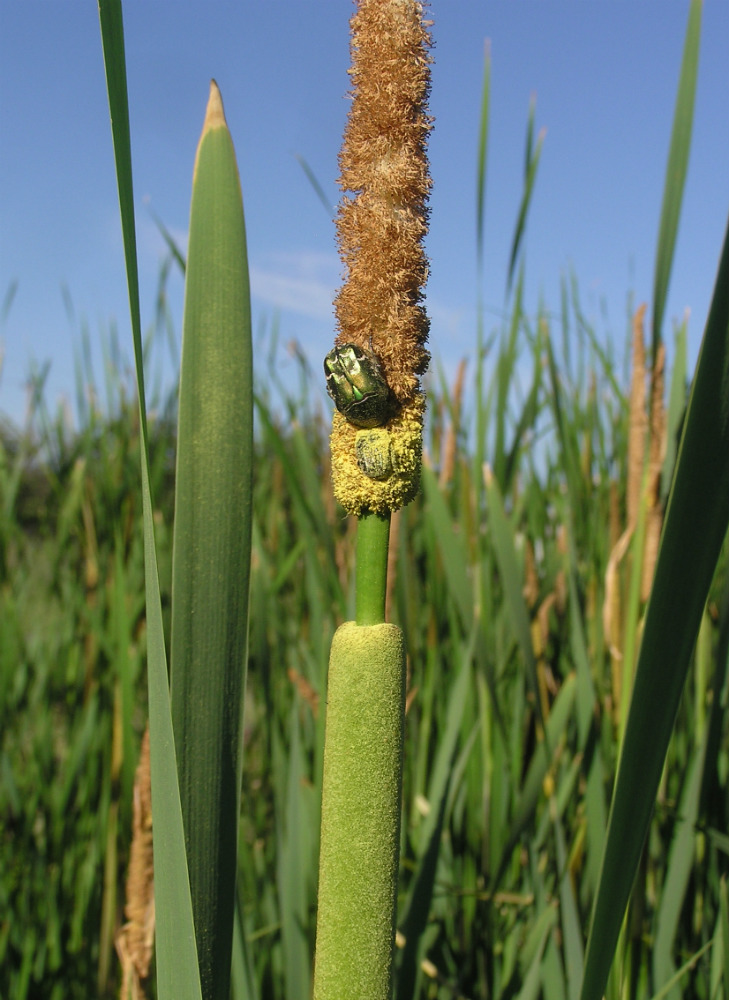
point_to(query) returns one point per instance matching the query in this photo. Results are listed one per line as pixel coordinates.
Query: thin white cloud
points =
(302, 283)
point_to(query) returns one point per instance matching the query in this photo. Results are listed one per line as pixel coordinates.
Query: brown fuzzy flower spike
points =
(380, 230)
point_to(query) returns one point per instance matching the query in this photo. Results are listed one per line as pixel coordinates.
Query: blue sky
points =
(604, 74)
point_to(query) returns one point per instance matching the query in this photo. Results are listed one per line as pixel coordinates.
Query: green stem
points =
(360, 819)
(373, 540)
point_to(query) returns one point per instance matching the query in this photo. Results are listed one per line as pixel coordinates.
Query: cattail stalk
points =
(375, 470)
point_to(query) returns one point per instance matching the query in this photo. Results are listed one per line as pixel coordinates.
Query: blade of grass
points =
(455, 563)
(532, 156)
(511, 577)
(417, 908)
(532, 787)
(451, 548)
(526, 424)
(483, 145)
(177, 970)
(504, 381)
(678, 872)
(676, 169)
(676, 404)
(318, 189)
(171, 243)
(573, 953)
(538, 937)
(724, 929)
(687, 966)
(293, 870)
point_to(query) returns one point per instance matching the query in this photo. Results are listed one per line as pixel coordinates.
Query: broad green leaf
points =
(212, 542)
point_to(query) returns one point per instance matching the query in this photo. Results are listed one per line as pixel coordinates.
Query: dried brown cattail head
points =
(384, 165)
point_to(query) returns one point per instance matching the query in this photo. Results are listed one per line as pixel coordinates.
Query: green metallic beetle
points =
(357, 384)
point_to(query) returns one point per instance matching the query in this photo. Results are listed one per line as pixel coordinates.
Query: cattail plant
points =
(373, 375)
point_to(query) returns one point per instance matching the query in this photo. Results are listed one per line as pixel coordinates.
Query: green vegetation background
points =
(499, 586)
(518, 589)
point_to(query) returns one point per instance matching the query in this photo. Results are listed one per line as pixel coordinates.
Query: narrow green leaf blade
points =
(176, 954)
(676, 169)
(483, 145)
(512, 581)
(724, 929)
(679, 870)
(533, 156)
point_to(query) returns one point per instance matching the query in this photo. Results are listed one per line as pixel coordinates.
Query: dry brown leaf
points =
(638, 421)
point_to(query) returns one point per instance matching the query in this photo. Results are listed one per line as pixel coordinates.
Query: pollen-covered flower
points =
(381, 223)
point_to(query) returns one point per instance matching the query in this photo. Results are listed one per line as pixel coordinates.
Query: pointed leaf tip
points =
(214, 118)
(214, 113)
